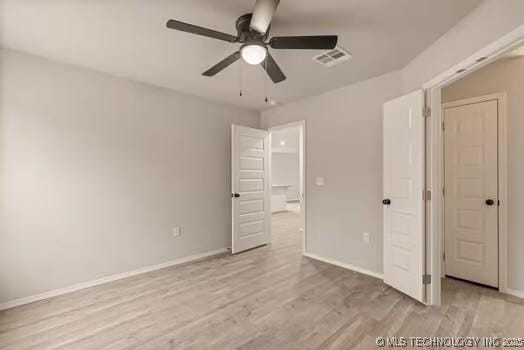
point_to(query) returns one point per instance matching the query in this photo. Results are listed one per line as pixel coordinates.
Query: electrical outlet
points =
(365, 237)
(177, 231)
(320, 181)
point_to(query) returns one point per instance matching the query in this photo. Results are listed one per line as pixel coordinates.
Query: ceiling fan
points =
(253, 34)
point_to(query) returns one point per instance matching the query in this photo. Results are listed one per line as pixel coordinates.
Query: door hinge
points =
(426, 195)
(426, 112)
(444, 256)
(426, 279)
(443, 191)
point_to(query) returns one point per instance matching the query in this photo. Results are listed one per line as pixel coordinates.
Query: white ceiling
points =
(128, 38)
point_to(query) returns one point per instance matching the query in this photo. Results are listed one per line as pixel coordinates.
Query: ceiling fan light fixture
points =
(253, 53)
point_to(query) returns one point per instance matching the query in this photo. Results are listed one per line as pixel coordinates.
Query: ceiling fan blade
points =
(263, 15)
(316, 42)
(272, 69)
(193, 29)
(220, 66)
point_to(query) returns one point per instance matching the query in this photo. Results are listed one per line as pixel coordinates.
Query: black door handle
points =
(236, 195)
(386, 201)
(490, 201)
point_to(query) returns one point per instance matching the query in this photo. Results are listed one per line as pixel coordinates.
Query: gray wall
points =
(95, 171)
(486, 23)
(506, 75)
(344, 145)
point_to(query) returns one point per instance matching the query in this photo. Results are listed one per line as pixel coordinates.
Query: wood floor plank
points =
(267, 298)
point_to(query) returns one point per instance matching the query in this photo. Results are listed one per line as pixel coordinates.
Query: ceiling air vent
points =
(332, 57)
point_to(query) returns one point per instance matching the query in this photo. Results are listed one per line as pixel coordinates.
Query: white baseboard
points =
(108, 279)
(513, 292)
(344, 265)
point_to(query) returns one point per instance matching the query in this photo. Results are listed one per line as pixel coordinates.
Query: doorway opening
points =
(460, 93)
(254, 199)
(287, 184)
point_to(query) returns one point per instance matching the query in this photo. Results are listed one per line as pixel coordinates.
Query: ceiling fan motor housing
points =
(246, 34)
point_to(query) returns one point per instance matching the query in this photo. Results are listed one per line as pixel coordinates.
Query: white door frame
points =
(502, 178)
(481, 58)
(302, 171)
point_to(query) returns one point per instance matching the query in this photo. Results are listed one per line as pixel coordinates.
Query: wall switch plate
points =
(320, 181)
(365, 237)
(177, 231)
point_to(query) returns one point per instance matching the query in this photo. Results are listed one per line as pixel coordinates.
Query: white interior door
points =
(403, 194)
(250, 188)
(471, 186)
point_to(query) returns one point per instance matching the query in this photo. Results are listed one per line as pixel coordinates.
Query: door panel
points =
(250, 176)
(471, 177)
(403, 186)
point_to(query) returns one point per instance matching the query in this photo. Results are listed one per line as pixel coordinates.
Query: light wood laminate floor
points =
(266, 298)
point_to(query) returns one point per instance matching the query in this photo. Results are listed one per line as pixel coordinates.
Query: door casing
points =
(498, 48)
(436, 182)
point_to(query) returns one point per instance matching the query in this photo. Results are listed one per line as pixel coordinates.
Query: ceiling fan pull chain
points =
(265, 80)
(241, 80)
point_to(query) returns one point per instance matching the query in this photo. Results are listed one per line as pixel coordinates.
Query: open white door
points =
(403, 194)
(250, 188)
